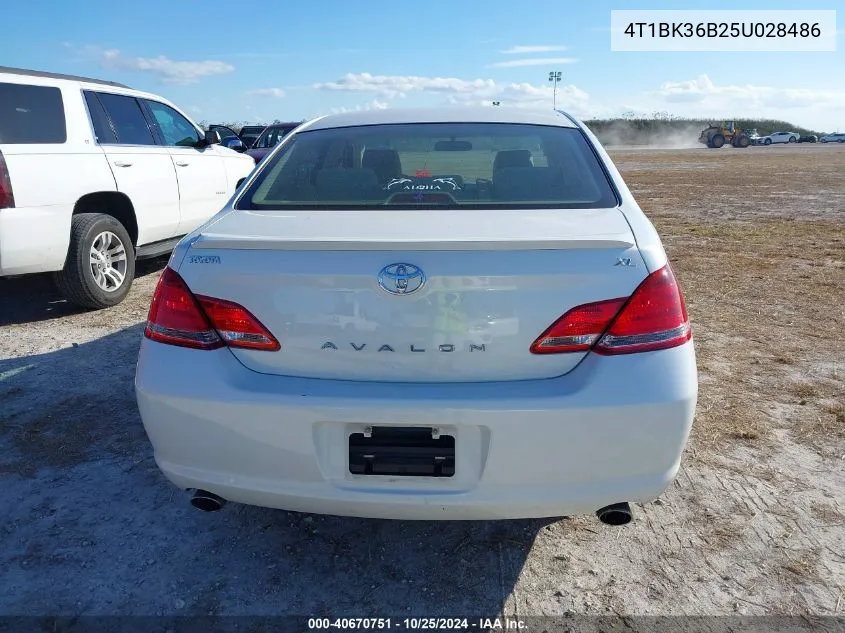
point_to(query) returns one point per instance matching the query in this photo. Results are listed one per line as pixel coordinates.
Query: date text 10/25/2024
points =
(418, 624)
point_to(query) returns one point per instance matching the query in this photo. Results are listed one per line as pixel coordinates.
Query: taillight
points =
(237, 326)
(579, 329)
(7, 197)
(177, 317)
(653, 318)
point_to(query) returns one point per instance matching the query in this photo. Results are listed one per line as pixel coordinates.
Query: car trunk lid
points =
(494, 281)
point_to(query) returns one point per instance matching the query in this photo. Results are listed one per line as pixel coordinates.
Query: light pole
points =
(554, 77)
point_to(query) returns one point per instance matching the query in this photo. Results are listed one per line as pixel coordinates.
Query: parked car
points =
(836, 137)
(583, 402)
(753, 136)
(94, 175)
(270, 137)
(778, 137)
(250, 133)
(808, 138)
(229, 138)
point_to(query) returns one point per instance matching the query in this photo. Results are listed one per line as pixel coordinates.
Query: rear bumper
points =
(612, 430)
(34, 239)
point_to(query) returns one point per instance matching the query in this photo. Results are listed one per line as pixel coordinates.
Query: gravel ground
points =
(750, 526)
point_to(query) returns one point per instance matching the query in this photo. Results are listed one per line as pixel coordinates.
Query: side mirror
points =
(233, 142)
(212, 137)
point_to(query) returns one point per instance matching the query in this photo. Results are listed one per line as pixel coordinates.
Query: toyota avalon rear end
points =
(440, 314)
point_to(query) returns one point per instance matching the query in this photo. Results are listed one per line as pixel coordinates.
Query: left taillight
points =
(178, 317)
(7, 196)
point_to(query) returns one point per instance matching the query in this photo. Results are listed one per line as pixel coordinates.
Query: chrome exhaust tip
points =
(615, 514)
(207, 501)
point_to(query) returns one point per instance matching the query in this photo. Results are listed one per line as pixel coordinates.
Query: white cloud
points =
(463, 91)
(170, 71)
(398, 86)
(533, 61)
(702, 97)
(266, 92)
(703, 90)
(522, 50)
(375, 104)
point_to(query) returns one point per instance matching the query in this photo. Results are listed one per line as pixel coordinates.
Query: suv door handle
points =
(182, 164)
(120, 163)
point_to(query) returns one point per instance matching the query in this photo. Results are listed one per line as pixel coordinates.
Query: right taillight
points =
(653, 318)
(178, 317)
(7, 197)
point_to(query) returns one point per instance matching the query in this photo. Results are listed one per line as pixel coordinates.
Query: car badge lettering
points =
(204, 259)
(446, 348)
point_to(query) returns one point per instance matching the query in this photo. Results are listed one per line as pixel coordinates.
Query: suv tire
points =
(100, 264)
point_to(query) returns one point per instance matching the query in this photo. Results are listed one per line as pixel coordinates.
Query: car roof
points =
(45, 75)
(460, 114)
(37, 77)
(278, 125)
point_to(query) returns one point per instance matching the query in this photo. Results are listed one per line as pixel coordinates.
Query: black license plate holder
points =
(398, 451)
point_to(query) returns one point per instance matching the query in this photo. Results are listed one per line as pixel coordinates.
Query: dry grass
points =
(824, 430)
(763, 271)
(826, 513)
(802, 564)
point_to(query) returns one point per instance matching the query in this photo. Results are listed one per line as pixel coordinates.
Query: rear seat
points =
(528, 183)
(347, 184)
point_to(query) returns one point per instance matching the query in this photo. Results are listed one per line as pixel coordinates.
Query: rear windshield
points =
(433, 165)
(31, 114)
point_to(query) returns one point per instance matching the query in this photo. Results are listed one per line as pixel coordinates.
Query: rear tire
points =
(717, 141)
(100, 264)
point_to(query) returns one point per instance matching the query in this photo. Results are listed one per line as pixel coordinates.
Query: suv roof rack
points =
(39, 73)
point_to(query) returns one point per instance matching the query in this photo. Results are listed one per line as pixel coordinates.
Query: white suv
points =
(94, 175)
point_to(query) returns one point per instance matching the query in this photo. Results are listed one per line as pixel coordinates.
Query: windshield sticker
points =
(435, 184)
(447, 182)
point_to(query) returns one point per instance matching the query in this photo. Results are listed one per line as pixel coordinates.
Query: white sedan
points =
(836, 137)
(779, 137)
(439, 225)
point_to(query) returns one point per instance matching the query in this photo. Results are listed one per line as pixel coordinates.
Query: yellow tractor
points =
(726, 132)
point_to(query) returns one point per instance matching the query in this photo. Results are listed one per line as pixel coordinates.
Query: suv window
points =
(271, 137)
(127, 119)
(103, 132)
(31, 114)
(451, 165)
(175, 128)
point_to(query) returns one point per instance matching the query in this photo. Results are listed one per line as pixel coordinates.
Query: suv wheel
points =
(100, 263)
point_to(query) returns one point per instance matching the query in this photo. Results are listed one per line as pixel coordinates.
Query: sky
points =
(258, 61)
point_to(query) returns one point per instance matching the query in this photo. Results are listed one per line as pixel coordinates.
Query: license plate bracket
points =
(402, 452)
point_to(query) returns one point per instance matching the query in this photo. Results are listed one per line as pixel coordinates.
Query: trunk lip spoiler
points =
(234, 242)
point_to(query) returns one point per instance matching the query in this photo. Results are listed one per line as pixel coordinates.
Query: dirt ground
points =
(754, 523)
